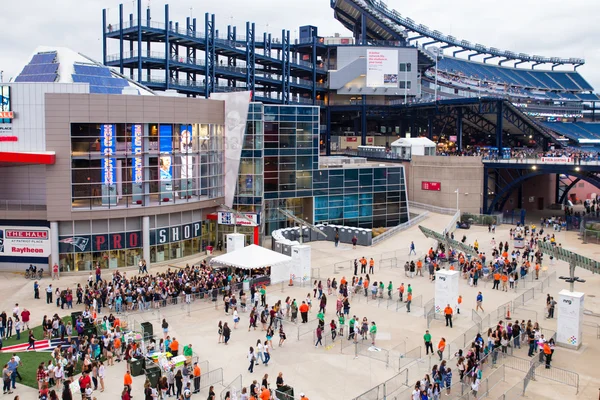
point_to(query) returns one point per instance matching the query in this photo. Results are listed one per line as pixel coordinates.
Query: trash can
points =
(136, 366)
(209, 250)
(147, 329)
(75, 316)
(153, 374)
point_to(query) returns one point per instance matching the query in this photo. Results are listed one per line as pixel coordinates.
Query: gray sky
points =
(544, 27)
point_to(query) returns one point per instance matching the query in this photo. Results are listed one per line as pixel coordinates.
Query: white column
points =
(570, 319)
(54, 252)
(235, 241)
(446, 290)
(146, 239)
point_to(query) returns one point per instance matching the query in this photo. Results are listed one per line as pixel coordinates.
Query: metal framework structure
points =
(511, 176)
(575, 260)
(302, 223)
(448, 241)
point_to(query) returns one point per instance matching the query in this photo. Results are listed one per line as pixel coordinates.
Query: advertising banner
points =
(382, 68)
(25, 241)
(166, 162)
(446, 290)
(186, 147)
(137, 138)
(556, 160)
(435, 186)
(108, 148)
(227, 218)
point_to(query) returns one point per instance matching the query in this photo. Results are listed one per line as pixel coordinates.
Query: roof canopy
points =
(418, 141)
(251, 257)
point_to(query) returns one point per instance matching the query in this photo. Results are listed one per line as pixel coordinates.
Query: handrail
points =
(399, 228)
(437, 210)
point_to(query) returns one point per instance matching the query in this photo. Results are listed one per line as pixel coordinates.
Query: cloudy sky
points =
(545, 27)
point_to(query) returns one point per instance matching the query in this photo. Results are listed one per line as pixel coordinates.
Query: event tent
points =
(253, 257)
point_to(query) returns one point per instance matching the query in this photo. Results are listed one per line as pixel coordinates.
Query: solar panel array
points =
(100, 79)
(42, 68)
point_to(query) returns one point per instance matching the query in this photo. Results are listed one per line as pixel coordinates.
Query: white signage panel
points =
(25, 241)
(570, 319)
(382, 68)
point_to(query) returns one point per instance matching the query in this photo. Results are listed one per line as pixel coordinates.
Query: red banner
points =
(436, 186)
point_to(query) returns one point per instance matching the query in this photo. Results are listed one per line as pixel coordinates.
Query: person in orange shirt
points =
(459, 303)
(265, 394)
(366, 286)
(496, 281)
(343, 281)
(363, 265)
(441, 348)
(174, 347)
(303, 397)
(127, 381)
(448, 314)
(537, 270)
(197, 374)
(504, 282)
(117, 344)
(401, 291)
(371, 266)
(304, 312)
(420, 267)
(408, 301)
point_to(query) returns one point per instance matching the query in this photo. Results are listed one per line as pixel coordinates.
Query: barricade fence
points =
(409, 357)
(591, 328)
(304, 329)
(234, 389)
(211, 378)
(399, 228)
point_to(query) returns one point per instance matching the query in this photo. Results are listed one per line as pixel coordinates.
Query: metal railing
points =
(390, 389)
(515, 392)
(437, 210)
(534, 159)
(22, 205)
(564, 376)
(305, 329)
(409, 357)
(592, 327)
(399, 228)
(233, 389)
(211, 378)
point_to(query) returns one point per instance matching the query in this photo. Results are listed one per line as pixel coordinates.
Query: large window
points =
(133, 165)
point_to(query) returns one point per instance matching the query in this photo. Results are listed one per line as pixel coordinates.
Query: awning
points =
(27, 158)
(251, 257)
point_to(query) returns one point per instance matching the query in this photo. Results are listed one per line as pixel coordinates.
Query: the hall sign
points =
(25, 241)
(556, 160)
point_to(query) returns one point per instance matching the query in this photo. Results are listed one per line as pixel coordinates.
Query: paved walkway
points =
(326, 373)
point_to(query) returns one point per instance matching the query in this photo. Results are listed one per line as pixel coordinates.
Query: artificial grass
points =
(38, 333)
(30, 360)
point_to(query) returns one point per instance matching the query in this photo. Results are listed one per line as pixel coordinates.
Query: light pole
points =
(457, 192)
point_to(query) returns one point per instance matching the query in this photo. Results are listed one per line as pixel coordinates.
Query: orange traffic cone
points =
(507, 313)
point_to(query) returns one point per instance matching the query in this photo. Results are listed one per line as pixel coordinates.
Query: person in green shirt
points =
(342, 320)
(427, 340)
(187, 350)
(409, 289)
(390, 288)
(373, 332)
(351, 327)
(263, 296)
(321, 317)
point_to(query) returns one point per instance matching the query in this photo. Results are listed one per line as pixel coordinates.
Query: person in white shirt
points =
(101, 374)
(16, 310)
(59, 374)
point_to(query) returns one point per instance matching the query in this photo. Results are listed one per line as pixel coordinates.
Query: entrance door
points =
(540, 203)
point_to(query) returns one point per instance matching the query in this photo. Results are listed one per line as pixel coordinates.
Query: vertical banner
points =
(446, 290)
(108, 148)
(186, 141)
(165, 162)
(382, 68)
(137, 137)
(236, 115)
(569, 327)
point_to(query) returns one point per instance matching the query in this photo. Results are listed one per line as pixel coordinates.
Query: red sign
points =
(351, 139)
(436, 186)
(22, 234)
(369, 140)
(9, 139)
(453, 139)
(7, 115)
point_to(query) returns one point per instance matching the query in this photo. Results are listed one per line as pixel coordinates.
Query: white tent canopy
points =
(251, 257)
(418, 146)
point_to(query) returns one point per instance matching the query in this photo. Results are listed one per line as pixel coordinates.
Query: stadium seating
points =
(42, 68)
(575, 130)
(547, 80)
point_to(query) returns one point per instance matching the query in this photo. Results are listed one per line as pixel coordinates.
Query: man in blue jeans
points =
(12, 367)
(412, 249)
(531, 336)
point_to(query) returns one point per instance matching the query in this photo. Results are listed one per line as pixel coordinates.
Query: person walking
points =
(408, 301)
(371, 266)
(304, 312)
(354, 241)
(251, 359)
(127, 382)
(55, 272)
(355, 267)
(337, 239)
(448, 314)
(49, 294)
(412, 249)
(319, 336)
(479, 302)
(459, 302)
(427, 340)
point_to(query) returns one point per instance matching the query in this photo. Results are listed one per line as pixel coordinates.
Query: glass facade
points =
(117, 242)
(133, 165)
(280, 169)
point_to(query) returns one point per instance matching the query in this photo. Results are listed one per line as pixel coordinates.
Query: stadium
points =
(331, 132)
